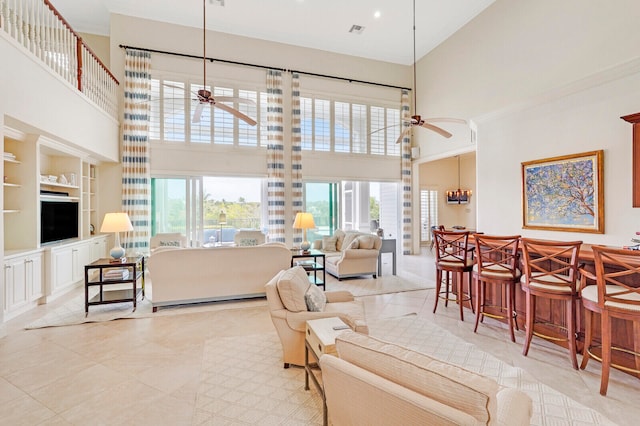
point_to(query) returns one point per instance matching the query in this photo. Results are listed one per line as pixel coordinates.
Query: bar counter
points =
(551, 314)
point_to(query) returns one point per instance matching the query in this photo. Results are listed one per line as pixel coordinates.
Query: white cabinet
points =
(98, 248)
(23, 285)
(65, 266)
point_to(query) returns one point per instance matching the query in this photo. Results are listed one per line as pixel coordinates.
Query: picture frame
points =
(564, 193)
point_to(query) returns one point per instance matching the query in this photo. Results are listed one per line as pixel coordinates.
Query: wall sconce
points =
(458, 196)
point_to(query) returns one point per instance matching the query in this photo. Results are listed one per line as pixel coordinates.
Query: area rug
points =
(243, 381)
(72, 312)
(382, 285)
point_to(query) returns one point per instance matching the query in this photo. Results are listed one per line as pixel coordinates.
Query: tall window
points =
(193, 207)
(173, 106)
(428, 213)
(357, 128)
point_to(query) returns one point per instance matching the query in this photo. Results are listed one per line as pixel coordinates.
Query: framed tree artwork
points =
(564, 193)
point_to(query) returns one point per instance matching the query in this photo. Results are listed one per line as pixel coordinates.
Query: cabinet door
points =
(15, 284)
(98, 248)
(62, 264)
(81, 256)
(33, 275)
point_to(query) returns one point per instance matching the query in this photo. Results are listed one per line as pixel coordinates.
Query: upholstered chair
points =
(293, 301)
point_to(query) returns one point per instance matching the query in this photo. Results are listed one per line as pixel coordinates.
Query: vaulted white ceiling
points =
(317, 24)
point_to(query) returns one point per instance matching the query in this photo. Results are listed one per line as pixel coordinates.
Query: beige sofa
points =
(289, 311)
(374, 382)
(193, 275)
(350, 253)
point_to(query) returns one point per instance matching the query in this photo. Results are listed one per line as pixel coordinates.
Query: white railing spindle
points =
(40, 29)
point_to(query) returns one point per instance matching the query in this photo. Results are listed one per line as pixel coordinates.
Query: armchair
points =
(287, 307)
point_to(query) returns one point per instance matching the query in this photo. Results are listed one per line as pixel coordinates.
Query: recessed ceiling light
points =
(376, 14)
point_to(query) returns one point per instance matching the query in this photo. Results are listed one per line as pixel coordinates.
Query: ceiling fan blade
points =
(383, 128)
(235, 99)
(436, 129)
(403, 134)
(446, 120)
(250, 121)
(197, 113)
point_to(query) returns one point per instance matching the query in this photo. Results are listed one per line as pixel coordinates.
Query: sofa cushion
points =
(446, 383)
(339, 234)
(315, 299)
(366, 241)
(329, 243)
(246, 242)
(292, 286)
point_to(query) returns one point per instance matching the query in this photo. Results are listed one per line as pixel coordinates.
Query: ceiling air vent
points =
(219, 2)
(356, 29)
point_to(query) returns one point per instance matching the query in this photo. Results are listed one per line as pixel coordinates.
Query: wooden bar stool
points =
(496, 265)
(613, 296)
(452, 257)
(551, 272)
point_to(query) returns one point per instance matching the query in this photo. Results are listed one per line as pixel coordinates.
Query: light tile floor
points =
(145, 371)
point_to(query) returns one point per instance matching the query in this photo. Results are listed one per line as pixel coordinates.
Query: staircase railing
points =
(40, 28)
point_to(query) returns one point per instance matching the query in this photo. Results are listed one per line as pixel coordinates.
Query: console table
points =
(110, 274)
(388, 246)
(320, 339)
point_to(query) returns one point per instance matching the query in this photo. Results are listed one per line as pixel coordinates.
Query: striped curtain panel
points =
(296, 154)
(405, 153)
(136, 179)
(275, 158)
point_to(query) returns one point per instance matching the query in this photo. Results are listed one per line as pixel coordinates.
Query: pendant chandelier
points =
(458, 196)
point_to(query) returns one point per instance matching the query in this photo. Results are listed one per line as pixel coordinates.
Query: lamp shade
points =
(116, 222)
(304, 221)
(222, 218)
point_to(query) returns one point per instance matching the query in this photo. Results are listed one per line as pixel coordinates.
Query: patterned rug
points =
(72, 312)
(243, 380)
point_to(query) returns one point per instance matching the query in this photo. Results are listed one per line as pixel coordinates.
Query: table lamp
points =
(116, 223)
(304, 221)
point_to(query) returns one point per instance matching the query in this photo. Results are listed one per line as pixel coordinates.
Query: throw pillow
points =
(169, 243)
(292, 286)
(315, 299)
(366, 241)
(348, 239)
(329, 243)
(244, 242)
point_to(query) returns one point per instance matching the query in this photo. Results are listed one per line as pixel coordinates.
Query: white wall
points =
(540, 79)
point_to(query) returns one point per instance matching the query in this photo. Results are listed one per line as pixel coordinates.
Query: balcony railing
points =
(40, 28)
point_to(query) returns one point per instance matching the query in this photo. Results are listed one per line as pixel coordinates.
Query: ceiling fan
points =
(204, 96)
(417, 120)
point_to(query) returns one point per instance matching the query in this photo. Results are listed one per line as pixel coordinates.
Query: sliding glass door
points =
(176, 206)
(321, 200)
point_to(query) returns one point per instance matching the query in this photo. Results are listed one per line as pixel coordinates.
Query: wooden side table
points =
(320, 339)
(131, 270)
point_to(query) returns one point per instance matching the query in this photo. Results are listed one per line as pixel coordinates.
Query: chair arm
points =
(585, 274)
(514, 407)
(338, 296)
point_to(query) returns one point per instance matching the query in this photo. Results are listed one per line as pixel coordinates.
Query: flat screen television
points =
(58, 220)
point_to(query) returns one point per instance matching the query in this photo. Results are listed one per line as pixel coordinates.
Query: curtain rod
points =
(245, 64)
